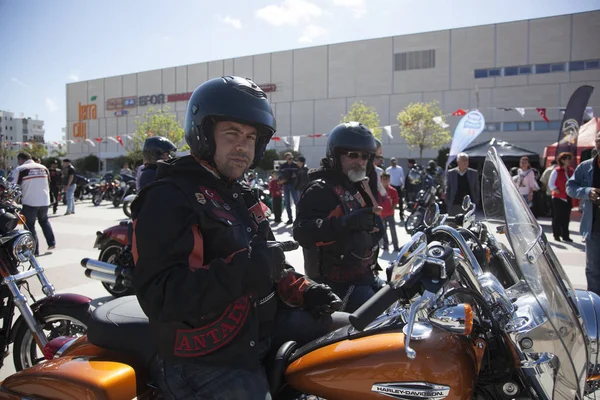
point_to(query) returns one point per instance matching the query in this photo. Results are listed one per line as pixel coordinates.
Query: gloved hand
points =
(320, 299)
(359, 220)
(266, 261)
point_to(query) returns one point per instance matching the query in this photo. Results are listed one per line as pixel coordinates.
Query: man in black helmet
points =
(216, 289)
(337, 217)
(155, 148)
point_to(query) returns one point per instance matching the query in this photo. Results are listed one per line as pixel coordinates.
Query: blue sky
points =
(47, 44)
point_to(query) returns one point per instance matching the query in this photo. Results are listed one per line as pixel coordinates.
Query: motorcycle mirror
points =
(466, 203)
(431, 214)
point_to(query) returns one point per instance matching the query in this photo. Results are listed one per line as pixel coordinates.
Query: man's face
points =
(53, 165)
(598, 142)
(394, 163)
(378, 160)
(300, 164)
(354, 165)
(289, 159)
(165, 156)
(463, 164)
(235, 145)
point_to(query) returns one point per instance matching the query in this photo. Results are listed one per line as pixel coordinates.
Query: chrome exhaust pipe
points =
(101, 266)
(107, 278)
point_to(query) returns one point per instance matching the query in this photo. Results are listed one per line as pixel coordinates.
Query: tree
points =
(59, 152)
(36, 150)
(266, 164)
(366, 115)
(154, 123)
(418, 128)
(88, 163)
(6, 152)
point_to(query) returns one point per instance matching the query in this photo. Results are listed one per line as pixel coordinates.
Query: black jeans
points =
(391, 222)
(54, 190)
(277, 208)
(41, 214)
(561, 217)
(188, 380)
(400, 201)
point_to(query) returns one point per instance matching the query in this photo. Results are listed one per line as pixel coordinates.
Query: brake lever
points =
(415, 307)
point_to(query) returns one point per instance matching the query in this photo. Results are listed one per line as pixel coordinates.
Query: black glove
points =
(359, 220)
(320, 299)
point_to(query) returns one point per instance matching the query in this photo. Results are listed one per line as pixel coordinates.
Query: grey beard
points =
(357, 175)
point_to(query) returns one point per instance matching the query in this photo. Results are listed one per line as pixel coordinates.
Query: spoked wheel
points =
(110, 255)
(60, 321)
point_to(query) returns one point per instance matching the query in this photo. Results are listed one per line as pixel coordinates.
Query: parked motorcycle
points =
(105, 189)
(39, 321)
(425, 197)
(115, 251)
(126, 187)
(441, 329)
(127, 200)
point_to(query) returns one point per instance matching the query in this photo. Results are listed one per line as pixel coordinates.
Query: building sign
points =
(120, 113)
(120, 103)
(85, 112)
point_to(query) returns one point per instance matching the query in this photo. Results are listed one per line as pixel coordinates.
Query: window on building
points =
(481, 73)
(493, 127)
(545, 126)
(542, 68)
(25, 130)
(414, 60)
(495, 72)
(524, 126)
(525, 69)
(576, 65)
(25, 138)
(592, 64)
(558, 67)
(511, 71)
(510, 126)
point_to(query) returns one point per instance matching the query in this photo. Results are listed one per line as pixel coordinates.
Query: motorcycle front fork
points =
(13, 281)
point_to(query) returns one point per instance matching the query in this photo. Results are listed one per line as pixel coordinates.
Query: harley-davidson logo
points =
(412, 390)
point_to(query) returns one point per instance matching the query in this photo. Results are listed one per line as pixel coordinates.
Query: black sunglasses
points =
(354, 155)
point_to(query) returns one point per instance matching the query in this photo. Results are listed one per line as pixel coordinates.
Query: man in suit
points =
(462, 181)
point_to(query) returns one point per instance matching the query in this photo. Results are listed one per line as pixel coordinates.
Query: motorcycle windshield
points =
(562, 336)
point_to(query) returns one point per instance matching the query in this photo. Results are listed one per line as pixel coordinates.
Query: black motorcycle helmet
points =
(350, 136)
(229, 98)
(155, 147)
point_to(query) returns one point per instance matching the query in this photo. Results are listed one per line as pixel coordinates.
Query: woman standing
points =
(561, 203)
(525, 181)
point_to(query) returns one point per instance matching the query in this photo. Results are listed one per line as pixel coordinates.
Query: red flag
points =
(459, 113)
(316, 135)
(98, 139)
(120, 139)
(542, 112)
(275, 138)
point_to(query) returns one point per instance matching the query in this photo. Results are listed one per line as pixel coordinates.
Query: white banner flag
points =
(388, 131)
(90, 142)
(440, 122)
(296, 140)
(521, 111)
(113, 139)
(469, 127)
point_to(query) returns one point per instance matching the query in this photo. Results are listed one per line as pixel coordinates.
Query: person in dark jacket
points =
(155, 148)
(55, 182)
(289, 177)
(337, 222)
(217, 291)
(302, 181)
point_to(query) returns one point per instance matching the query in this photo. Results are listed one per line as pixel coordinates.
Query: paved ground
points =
(76, 235)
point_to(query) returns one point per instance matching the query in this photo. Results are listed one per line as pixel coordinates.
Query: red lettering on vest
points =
(256, 214)
(207, 339)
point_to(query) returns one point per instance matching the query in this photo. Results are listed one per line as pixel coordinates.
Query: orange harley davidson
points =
(442, 329)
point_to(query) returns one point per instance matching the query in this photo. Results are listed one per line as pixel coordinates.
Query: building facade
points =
(532, 64)
(14, 131)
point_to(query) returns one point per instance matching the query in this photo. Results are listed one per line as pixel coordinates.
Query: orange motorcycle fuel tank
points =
(352, 365)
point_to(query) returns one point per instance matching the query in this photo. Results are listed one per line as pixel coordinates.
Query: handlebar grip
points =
(373, 307)
(289, 245)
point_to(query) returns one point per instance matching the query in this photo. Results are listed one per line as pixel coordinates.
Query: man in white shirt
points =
(34, 180)
(396, 174)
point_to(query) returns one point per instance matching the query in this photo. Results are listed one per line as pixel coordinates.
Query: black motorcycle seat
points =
(122, 326)
(276, 367)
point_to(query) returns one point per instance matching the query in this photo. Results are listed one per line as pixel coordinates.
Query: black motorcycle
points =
(126, 187)
(39, 321)
(425, 197)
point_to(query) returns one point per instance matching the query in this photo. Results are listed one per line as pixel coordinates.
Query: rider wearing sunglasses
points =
(337, 222)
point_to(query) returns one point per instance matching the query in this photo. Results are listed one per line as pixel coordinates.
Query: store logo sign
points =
(84, 112)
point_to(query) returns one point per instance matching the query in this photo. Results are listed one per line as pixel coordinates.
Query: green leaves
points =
(366, 115)
(418, 128)
(155, 123)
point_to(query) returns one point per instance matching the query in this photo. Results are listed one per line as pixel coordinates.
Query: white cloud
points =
(236, 23)
(290, 12)
(358, 7)
(51, 104)
(18, 82)
(312, 32)
(74, 76)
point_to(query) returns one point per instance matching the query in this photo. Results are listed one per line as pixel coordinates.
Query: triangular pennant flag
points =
(440, 122)
(287, 143)
(129, 137)
(388, 131)
(120, 140)
(90, 142)
(98, 139)
(112, 139)
(520, 111)
(70, 141)
(459, 112)
(296, 140)
(276, 138)
(542, 112)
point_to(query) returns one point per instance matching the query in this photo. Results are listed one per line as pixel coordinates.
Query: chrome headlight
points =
(589, 309)
(24, 247)
(123, 184)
